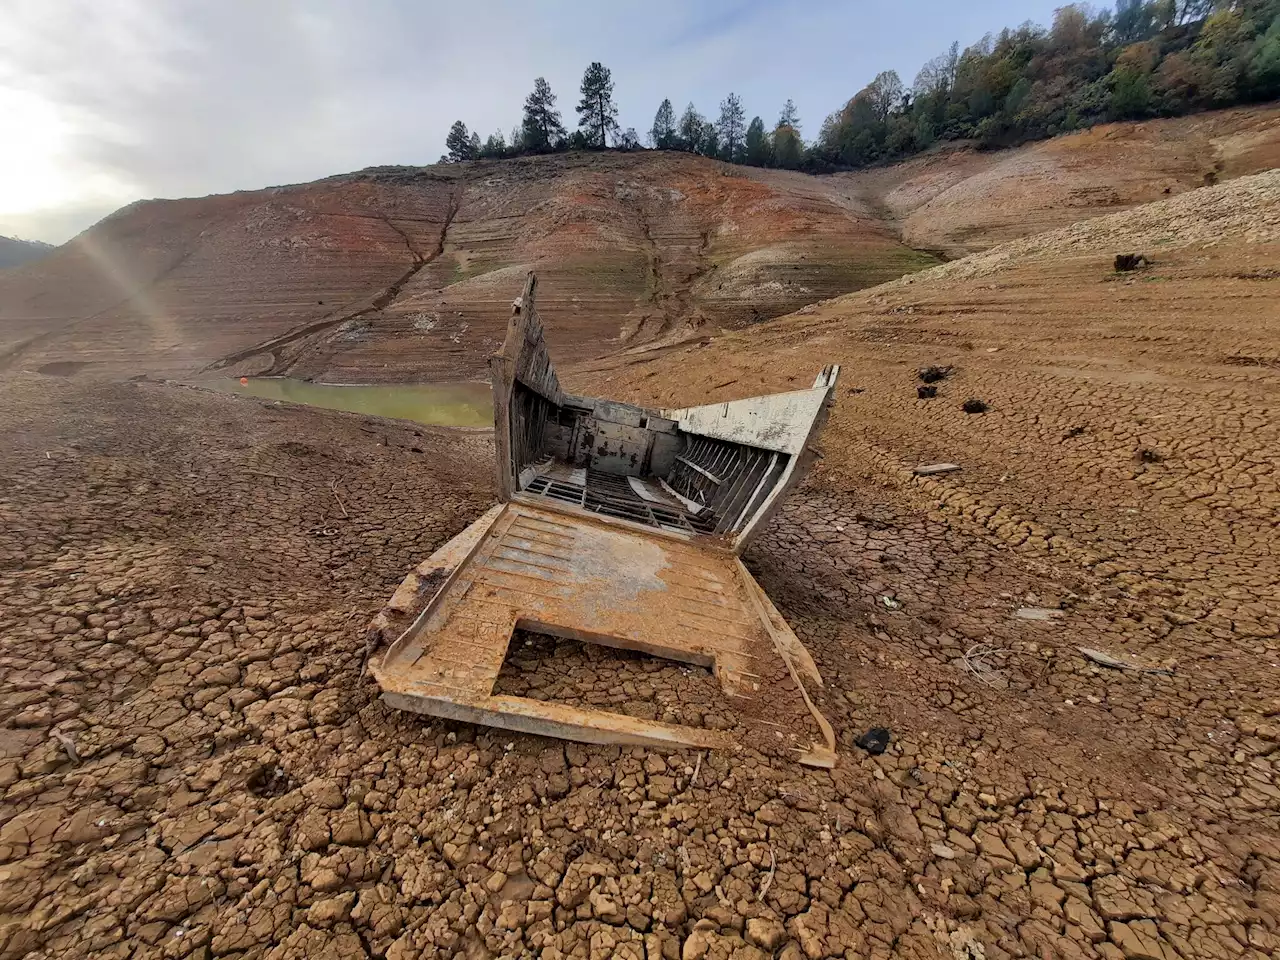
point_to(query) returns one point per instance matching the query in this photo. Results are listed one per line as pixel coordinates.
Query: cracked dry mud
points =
(193, 765)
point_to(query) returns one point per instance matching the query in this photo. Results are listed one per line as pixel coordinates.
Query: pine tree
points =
(459, 143)
(730, 126)
(691, 134)
(663, 134)
(789, 117)
(542, 129)
(597, 113)
(757, 144)
(709, 142)
(495, 146)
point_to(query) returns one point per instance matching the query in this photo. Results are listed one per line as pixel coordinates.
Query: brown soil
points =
(962, 200)
(193, 764)
(400, 274)
(407, 274)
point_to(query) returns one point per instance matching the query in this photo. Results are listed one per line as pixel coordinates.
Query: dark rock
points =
(875, 741)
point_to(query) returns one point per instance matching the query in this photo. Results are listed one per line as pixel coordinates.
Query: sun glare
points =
(42, 171)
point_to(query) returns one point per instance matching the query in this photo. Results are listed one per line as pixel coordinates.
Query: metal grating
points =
(612, 496)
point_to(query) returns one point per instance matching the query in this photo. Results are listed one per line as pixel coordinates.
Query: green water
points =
(466, 404)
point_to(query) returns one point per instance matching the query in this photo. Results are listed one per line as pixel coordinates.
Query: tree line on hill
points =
(1145, 58)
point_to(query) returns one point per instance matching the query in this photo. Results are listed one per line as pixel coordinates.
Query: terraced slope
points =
(169, 287)
(959, 201)
(408, 273)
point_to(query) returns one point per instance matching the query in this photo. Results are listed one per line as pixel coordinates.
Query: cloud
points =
(139, 99)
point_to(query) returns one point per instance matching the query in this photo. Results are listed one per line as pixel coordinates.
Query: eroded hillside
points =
(959, 201)
(403, 274)
(399, 274)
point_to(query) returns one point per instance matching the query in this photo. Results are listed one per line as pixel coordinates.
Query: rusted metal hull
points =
(619, 526)
(590, 579)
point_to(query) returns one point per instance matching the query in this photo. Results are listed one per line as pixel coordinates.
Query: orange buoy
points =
(244, 381)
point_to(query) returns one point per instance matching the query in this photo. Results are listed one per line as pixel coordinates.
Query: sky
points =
(104, 102)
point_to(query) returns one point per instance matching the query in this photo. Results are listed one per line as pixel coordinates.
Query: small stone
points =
(331, 910)
(766, 934)
(324, 792)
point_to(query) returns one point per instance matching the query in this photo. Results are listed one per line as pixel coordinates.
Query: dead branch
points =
(333, 485)
(768, 881)
(1102, 658)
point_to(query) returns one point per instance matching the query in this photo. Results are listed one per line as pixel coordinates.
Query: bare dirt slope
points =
(962, 200)
(15, 251)
(408, 273)
(401, 274)
(166, 287)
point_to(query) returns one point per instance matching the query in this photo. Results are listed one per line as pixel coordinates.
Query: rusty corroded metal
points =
(619, 526)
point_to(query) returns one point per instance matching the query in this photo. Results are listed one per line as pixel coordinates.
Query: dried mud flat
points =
(193, 765)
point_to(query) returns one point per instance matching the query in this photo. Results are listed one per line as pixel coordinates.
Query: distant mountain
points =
(14, 251)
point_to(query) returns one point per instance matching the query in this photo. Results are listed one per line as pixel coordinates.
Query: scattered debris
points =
(333, 485)
(68, 744)
(966, 946)
(973, 405)
(1074, 432)
(1130, 261)
(943, 851)
(933, 469)
(768, 881)
(924, 392)
(875, 741)
(1037, 613)
(1147, 455)
(933, 374)
(891, 603)
(977, 660)
(1102, 658)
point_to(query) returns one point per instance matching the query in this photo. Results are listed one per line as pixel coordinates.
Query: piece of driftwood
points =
(934, 469)
(1104, 659)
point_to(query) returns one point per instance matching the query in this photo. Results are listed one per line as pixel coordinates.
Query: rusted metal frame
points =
(751, 478)
(476, 535)
(548, 719)
(768, 478)
(523, 361)
(706, 473)
(729, 502)
(824, 756)
(797, 466)
(578, 511)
